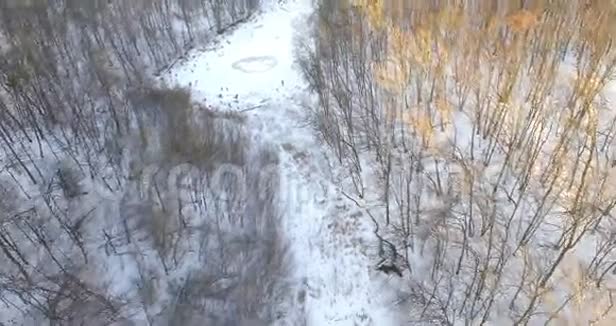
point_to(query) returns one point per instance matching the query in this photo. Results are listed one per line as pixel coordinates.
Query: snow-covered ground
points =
(252, 71)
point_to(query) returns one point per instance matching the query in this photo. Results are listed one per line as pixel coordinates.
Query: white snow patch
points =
(226, 76)
(330, 238)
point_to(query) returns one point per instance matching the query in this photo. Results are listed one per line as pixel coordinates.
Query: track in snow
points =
(255, 64)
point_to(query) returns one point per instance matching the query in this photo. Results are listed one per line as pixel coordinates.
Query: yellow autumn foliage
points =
(522, 20)
(445, 109)
(498, 65)
(391, 75)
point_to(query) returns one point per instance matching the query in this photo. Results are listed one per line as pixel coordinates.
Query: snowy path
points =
(252, 70)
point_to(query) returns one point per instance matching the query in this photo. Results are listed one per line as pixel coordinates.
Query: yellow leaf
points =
(391, 75)
(444, 108)
(522, 20)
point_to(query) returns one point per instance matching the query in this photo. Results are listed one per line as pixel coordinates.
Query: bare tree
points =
(488, 150)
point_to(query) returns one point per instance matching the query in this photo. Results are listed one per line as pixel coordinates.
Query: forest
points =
(93, 184)
(489, 130)
(473, 139)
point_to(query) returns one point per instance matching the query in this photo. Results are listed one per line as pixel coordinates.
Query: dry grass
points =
(180, 131)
